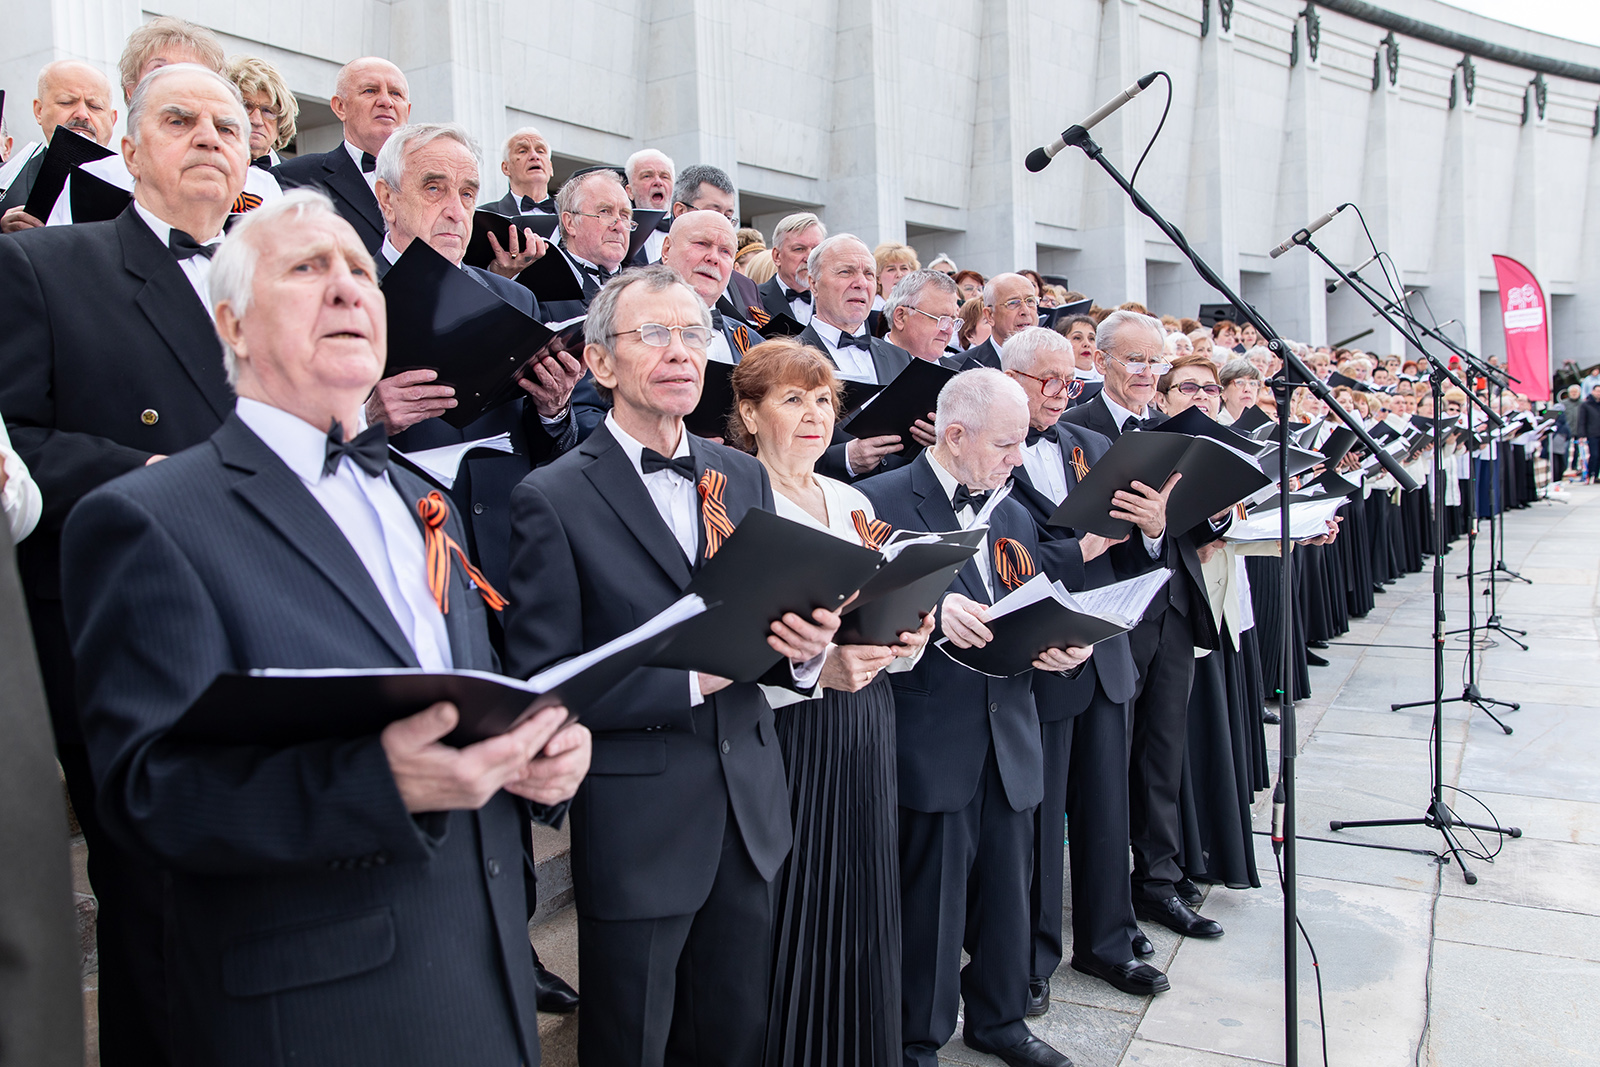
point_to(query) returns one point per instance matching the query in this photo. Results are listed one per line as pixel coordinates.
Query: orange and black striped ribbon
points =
(246, 202)
(718, 526)
(874, 533)
(1080, 465)
(741, 340)
(435, 512)
(759, 316)
(1012, 563)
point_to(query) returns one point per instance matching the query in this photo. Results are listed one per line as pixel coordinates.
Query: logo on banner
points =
(1523, 311)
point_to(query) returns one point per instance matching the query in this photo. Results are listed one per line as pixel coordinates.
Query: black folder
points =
(1196, 423)
(67, 152)
(551, 278)
(781, 325)
(710, 417)
(769, 566)
(1337, 444)
(644, 224)
(95, 199)
(907, 587)
(1251, 419)
(1213, 479)
(913, 395)
(486, 221)
(280, 708)
(443, 319)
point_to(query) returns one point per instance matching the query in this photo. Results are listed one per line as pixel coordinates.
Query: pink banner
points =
(1527, 323)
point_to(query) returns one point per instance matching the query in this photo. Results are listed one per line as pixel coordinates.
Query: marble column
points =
(451, 53)
(689, 86)
(864, 190)
(1459, 264)
(1111, 267)
(1299, 300)
(999, 233)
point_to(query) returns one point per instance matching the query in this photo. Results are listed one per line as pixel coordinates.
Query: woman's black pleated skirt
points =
(1217, 786)
(1255, 694)
(1358, 558)
(1266, 597)
(836, 959)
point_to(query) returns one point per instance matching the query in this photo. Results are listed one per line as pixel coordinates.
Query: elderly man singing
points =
(357, 898)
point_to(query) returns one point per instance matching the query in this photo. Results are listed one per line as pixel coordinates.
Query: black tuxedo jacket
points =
(310, 916)
(979, 355)
(510, 204)
(946, 716)
(482, 489)
(888, 360)
(107, 357)
(340, 177)
(1186, 592)
(590, 560)
(1061, 556)
(772, 301)
(1089, 391)
(744, 295)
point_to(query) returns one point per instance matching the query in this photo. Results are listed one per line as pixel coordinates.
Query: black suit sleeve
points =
(66, 465)
(149, 638)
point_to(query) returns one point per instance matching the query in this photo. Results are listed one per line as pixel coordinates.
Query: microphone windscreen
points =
(1038, 159)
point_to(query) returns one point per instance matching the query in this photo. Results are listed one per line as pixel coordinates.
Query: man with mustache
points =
(71, 94)
(88, 397)
(700, 249)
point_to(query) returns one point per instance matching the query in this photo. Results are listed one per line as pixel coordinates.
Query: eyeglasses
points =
(1016, 303)
(943, 322)
(1049, 386)
(609, 217)
(658, 336)
(1196, 388)
(1158, 369)
(268, 114)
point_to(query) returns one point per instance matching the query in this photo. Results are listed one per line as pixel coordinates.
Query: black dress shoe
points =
(1142, 945)
(1140, 979)
(1189, 892)
(1315, 660)
(1317, 644)
(551, 994)
(1270, 718)
(1038, 996)
(1029, 1052)
(1177, 916)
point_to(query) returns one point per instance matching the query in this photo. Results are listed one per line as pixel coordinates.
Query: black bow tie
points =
(716, 320)
(1035, 436)
(547, 205)
(264, 162)
(651, 461)
(368, 450)
(183, 246)
(369, 163)
(962, 498)
(850, 340)
(791, 295)
(1137, 424)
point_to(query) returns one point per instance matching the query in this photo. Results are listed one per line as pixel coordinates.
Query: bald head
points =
(77, 96)
(701, 248)
(1010, 303)
(372, 99)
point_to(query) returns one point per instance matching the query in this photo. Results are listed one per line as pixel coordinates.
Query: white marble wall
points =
(896, 119)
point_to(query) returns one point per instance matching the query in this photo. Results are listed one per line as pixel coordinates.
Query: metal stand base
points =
(1469, 695)
(1502, 573)
(1439, 818)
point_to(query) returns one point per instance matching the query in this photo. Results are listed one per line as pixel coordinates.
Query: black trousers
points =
(1593, 471)
(686, 989)
(1163, 652)
(964, 879)
(1085, 779)
(131, 1002)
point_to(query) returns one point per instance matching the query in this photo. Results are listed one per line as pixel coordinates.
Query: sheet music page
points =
(445, 463)
(1123, 602)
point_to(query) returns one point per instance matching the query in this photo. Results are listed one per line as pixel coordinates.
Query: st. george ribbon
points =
(1299, 236)
(1040, 158)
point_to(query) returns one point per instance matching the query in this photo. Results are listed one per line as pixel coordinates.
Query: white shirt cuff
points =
(695, 697)
(558, 419)
(806, 674)
(1152, 545)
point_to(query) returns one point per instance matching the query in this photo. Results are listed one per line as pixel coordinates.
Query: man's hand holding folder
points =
(965, 626)
(541, 760)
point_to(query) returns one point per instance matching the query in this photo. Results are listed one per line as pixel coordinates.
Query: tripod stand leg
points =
(1494, 718)
(1455, 852)
(1335, 824)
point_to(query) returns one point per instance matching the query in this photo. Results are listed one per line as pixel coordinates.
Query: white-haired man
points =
(71, 94)
(971, 767)
(788, 292)
(1010, 303)
(924, 313)
(700, 249)
(88, 397)
(525, 161)
(1130, 353)
(358, 892)
(650, 177)
(372, 99)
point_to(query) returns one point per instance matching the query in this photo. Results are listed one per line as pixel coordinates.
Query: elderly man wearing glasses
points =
(1010, 304)
(1130, 352)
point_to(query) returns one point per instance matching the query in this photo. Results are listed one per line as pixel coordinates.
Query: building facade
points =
(910, 121)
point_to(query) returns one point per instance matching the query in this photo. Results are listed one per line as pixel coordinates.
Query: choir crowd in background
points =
(208, 470)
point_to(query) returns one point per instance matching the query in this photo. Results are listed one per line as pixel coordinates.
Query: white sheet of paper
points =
(1123, 602)
(1306, 519)
(445, 463)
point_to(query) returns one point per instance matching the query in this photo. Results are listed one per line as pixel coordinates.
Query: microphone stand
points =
(1439, 816)
(1294, 375)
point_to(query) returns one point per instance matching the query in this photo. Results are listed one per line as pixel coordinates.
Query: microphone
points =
(1300, 235)
(1040, 158)
(1333, 286)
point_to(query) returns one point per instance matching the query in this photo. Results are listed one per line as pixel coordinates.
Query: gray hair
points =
(799, 222)
(505, 149)
(1238, 368)
(908, 290)
(1263, 352)
(390, 169)
(233, 269)
(572, 189)
(1023, 348)
(942, 258)
(158, 33)
(141, 96)
(1112, 326)
(826, 245)
(600, 327)
(968, 398)
(693, 177)
(646, 153)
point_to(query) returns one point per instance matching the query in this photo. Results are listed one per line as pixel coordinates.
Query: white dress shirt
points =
(677, 501)
(854, 364)
(652, 246)
(801, 310)
(965, 515)
(196, 268)
(1042, 461)
(1121, 414)
(20, 499)
(368, 176)
(373, 517)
